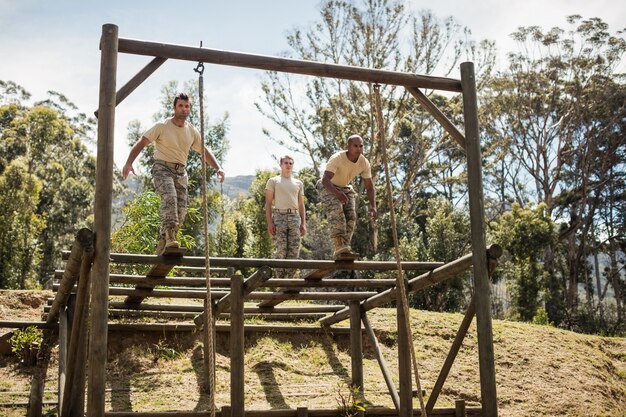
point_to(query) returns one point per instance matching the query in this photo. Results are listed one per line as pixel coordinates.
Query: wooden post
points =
(84, 238)
(226, 411)
(381, 361)
(102, 223)
(404, 364)
(74, 390)
(479, 249)
(302, 412)
(356, 346)
(237, 394)
(459, 408)
(62, 355)
(454, 350)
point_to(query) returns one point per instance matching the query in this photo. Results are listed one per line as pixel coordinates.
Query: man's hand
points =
(271, 229)
(342, 197)
(221, 174)
(127, 169)
(373, 213)
(302, 229)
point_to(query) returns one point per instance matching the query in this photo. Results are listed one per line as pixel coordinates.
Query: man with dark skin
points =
(338, 196)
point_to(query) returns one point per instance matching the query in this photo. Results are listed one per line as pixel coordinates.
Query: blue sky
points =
(53, 45)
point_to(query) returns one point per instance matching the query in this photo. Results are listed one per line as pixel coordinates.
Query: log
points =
(84, 238)
(102, 222)
(294, 66)
(482, 283)
(237, 343)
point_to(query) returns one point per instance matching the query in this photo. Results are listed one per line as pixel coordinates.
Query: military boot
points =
(160, 245)
(346, 242)
(170, 238)
(340, 246)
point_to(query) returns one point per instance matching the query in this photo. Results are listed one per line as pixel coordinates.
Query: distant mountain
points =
(234, 186)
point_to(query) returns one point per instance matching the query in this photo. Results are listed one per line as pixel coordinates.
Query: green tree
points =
(524, 233)
(49, 139)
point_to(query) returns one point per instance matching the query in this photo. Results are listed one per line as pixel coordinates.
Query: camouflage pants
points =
(341, 217)
(170, 184)
(287, 238)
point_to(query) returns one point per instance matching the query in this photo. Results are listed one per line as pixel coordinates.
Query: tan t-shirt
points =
(345, 170)
(286, 191)
(172, 143)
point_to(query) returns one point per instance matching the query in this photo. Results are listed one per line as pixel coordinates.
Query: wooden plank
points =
(197, 308)
(426, 280)
(160, 270)
(295, 66)
(482, 284)
(238, 263)
(102, 222)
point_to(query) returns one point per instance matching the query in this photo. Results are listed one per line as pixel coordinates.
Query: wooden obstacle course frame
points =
(111, 45)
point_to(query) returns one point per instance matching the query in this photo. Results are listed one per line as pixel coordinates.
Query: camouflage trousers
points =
(287, 239)
(170, 183)
(341, 217)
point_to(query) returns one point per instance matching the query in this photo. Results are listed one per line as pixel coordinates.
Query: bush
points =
(26, 342)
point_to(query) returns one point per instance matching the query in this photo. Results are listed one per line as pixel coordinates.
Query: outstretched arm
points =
(134, 152)
(302, 214)
(371, 196)
(212, 160)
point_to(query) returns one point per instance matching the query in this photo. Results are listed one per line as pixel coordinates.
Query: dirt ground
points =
(541, 371)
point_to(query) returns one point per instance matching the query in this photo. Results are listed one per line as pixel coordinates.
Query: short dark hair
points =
(181, 96)
(282, 158)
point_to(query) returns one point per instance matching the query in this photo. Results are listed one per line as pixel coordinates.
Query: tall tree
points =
(555, 114)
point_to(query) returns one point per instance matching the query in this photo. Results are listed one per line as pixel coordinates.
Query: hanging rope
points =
(403, 298)
(209, 327)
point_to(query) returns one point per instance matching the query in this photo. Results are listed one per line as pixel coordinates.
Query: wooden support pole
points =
(84, 238)
(136, 81)
(237, 386)
(482, 283)
(75, 373)
(102, 222)
(404, 364)
(438, 115)
(381, 361)
(63, 342)
(302, 412)
(356, 346)
(459, 408)
(250, 284)
(454, 350)
(295, 66)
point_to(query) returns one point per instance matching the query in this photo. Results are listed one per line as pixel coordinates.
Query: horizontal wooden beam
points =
(428, 279)
(237, 263)
(289, 65)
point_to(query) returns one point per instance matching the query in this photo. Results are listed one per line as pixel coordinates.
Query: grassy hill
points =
(541, 371)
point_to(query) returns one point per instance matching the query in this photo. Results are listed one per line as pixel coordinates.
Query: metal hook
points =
(200, 67)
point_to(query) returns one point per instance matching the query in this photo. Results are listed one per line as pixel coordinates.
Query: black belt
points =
(174, 165)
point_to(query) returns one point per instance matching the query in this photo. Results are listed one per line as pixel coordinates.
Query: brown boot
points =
(160, 245)
(340, 246)
(170, 238)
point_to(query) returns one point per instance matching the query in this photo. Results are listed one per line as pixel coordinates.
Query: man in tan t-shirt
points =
(338, 196)
(173, 138)
(284, 212)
